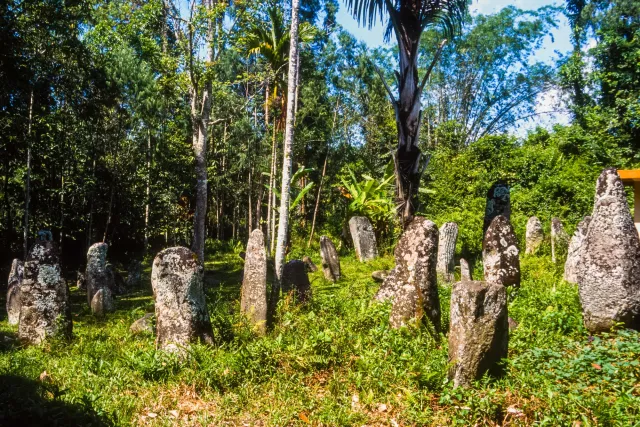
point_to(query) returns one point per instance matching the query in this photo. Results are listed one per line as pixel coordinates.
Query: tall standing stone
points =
(575, 251)
(295, 278)
(465, 271)
(559, 239)
(534, 235)
(182, 316)
(364, 239)
(479, 333)
(45, 309)
(253, 295)
(412, 284)
(498, 203)
(609, 266)
(99, 276)
(448, 236)
(500, 253)
(13, 291)
(330, 260)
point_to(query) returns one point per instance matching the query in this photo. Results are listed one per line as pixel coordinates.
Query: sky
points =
(558, 43)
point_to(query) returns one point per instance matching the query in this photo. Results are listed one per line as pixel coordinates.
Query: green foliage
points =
(370, 197)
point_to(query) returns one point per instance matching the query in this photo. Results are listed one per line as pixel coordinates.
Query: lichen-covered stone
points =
(134, 274)
(412, 284)
(294, 278)
(13, 291)
(609, 266)
(98, 275)
(500, 253)
(330, 260)
(379, 275)
(144, 325)
(574, 253)
(81, 281)
(465, 270)
(479, 331)
(448, 236)
(534, 235)
(253, 295)
(181, 310)
(498, 203)
(559, 239)
(45, 309)
(364, 239)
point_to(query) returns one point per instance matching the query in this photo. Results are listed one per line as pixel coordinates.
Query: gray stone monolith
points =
(574, 252)
(447, 238)
(465, 271)
(102, 302)
(364, 239)
(534, 235)
(500, 253)
(134, 274)
(181, 310)
(81, 281)
(13, 291)
(99, 276)
(330, 260)
(412, 284)
(559, 239)
(45, 309)
(296, 280)
(498, 203)
(479, 331)
(253, 295)
(609, 265)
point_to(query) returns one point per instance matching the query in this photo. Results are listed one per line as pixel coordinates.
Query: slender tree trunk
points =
(147, 205)
(27, 184)
(250, 207)
(61, 214)
(315, 210)
(271, 195)
(106, 228)
(283, 224)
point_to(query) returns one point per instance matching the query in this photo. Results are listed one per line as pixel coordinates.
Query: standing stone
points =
(143, 325)
(330, 260)
(45, 309)
(364, 239)
(181, 307)
(102, 302)
(575, 248)
(134, 273)
(81, 281)
(534, 235)
(294, 278)
(465, 271)
(559, 239)
(309, 265)
(253, 295)
(117, 284)
(98, 276)
(479, 334)
(500, 253)
(609, 266)
(13, 291)
(498, 203)
(412, 284)
(448, 235)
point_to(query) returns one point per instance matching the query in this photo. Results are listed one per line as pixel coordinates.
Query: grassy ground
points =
(332, 362)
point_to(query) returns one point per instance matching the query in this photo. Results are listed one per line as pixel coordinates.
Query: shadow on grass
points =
(25, 402)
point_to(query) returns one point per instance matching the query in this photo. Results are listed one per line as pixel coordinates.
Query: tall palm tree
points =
(407, 19)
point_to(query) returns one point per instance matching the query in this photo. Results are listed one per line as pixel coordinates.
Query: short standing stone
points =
(534, 235)
(364, 239)
(609, 266)
(448, 235)
(102, 302)
(253, 295)
(294, 278)
(81, 281)
(465, 270)
(13, 291)
(500, 253)
(182, 316)
(379, 275)
(134, 273)
(98, 275)
(330, 260)
(498, 203)
(143, 325)
(309, 264)
(574, 252)
(559, 239)
(479, 334)
(45, 309)
(412, 284)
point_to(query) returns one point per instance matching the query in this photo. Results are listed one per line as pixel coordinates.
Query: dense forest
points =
(161, 123)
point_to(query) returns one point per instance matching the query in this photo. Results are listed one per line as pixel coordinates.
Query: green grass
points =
(334, 361)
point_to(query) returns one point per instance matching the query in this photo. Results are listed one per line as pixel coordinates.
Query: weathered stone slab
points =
(609, 266)
(144, 325)
(253, 295)
(412, 284)
(574, 253)
(99, 276)
(534, 235)
(81, 281)
(45, 309)
(379, 275)
(102, 302)
(330, 260)
(364, 239)
(465, 271)
(479, 331)
(559, 239)
(448, 236)
(13, 291)
(500, 253)
(498, 203)
(182, 316)
(294, 278)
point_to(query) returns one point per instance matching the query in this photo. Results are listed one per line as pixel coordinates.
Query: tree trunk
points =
(27, 184)
(250, 207)
(147, 204)
(288, 142)
(106, 228)
(315, 210)
(270, 196)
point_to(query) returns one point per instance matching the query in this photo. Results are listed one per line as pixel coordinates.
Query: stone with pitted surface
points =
(364, 239)
(253, 295)
(98, 276)
(330, 260)
(500, 253)
(465, 270)
(448, 235)
(574, 252)
(498, 203)
(13, 291)
(534, 235)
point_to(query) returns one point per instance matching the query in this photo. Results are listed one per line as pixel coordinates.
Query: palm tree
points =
(408, 19)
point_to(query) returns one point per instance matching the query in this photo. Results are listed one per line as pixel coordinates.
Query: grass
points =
(332, 362)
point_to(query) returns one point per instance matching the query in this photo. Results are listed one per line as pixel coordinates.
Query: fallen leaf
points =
(304, 417)
(596, 366)
(382, 407)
